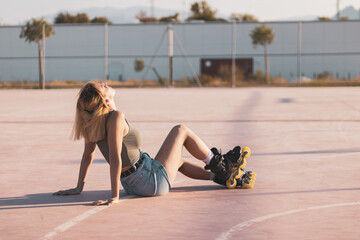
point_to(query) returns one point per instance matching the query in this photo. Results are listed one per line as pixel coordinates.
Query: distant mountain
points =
(300, 18)
(350, 12)
(128, 15)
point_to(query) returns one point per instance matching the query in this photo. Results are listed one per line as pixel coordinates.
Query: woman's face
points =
(109, 92)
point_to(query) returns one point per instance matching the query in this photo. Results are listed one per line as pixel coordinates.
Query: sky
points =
(14, 12)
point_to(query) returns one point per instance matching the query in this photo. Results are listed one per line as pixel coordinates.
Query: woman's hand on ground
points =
(110, 201)
(71, 191)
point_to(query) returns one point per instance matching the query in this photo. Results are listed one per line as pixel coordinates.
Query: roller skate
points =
(240, 177)
(229, 168)
(222, 165)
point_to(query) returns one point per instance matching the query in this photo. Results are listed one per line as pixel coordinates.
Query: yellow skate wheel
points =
(248, 185)
(229, 185)
(243, 165)
(239, 175)
(253, 175)
(246, 149)
(252, 180)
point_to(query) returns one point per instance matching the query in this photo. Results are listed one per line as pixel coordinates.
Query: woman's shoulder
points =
(115, 117)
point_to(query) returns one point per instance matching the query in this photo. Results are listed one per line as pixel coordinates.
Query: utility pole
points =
(152, 8)
(106, 52)
(170, 53)
(43, 57)
(171, 35)
(185, 10)
(338, 9)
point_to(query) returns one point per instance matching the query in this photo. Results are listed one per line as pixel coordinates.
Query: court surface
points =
(305, 151)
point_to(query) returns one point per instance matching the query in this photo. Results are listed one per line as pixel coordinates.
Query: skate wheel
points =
(248, 185)
(231, 184)
(252, 180)
(246, 149)
(239, 175)
(243, 165)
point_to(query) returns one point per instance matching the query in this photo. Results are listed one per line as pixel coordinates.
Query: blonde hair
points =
(91, 113)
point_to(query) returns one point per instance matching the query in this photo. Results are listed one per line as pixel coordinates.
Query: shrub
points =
(258, 77)
(324, 75)
(208, 79)
(225, 73)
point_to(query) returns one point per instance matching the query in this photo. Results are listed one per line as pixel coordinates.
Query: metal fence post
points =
(233, 75)
(299, 54)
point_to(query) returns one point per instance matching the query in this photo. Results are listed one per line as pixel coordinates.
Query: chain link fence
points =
(76, 52)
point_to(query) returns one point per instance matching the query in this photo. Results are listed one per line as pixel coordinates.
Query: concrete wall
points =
(76, 52)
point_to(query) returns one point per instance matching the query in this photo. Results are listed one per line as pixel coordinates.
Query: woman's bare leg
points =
(170, 152)
(194, 171)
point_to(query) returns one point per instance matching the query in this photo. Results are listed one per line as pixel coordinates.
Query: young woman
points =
(100, 123)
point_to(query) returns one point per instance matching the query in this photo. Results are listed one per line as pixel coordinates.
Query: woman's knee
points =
(180, 129)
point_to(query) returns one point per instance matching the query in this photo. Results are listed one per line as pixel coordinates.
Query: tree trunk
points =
(41, 68)
(267, 71)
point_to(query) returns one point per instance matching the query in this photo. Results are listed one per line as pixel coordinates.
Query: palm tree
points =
(33, 32)
(262, 35)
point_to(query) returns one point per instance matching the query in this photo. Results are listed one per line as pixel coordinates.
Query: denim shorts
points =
(150, 179)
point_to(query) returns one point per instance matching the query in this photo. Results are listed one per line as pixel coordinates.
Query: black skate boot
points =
(222, 165)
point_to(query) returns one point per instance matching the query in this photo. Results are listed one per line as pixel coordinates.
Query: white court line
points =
(72, 222)
(241, 226)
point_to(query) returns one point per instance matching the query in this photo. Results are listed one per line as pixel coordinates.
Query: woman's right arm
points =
(86, 161)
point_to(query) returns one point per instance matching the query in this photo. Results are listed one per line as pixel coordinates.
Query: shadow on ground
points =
(255, 192)
(330, 151)
(42, 200)
(198, 188)
(46, 200)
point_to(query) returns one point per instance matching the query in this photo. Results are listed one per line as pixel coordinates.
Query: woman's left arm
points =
(116, 131)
